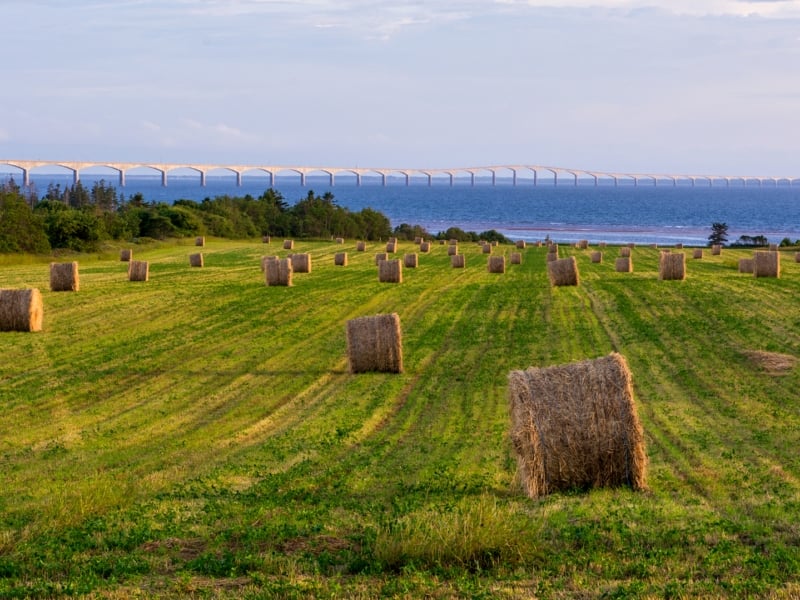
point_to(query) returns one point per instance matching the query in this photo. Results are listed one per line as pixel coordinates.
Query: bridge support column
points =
(514, 177)
(271, 179)
(472, 179)
(76, 176)
(408, 178)
(332, 180)
(383, 179)
(535, 178)
(451, 180)
(202, 179)
(494, 177)
(238, 179)
(26, 177)
(303, 179)
(430, 178)
(163, 179)
(122, 178)
(358, 179)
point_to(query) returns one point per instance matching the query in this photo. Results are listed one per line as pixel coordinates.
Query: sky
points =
(636, 86)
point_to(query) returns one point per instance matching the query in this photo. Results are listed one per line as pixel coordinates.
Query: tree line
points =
(80, 218)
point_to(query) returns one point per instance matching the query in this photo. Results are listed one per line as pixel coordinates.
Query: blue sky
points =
(660, 86)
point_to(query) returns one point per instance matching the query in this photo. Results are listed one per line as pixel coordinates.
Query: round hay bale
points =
(301, 263)
(452, 249)
(458, 261)
(746, 265)
(575, 426)
(516, 258)
(773, 247)
(391, 247)
(411, 260)
(418, 240)
(380, 256)
(697, 253)
(597, 257)
(375, 343)
(278, 271)
(125, 255)
(264, 260)
(265, 239)
(797, 257)
(64, 277)
(496, 264)
(563, 271)
(766, 263)
(624, 251)
(340, 240)
(716, 249)
(21, 310)
(583, 244)
(361, 246)
(487, 248)
(624, 264)
(390, 271)
(521, 244)
(602, 245)
(425, 247)
(552, 256)
(340, 259)
(679, 246)
(288, 244)
(672, 267)
(452, 242)
(138, 270)
(196, 260)
(200, 241)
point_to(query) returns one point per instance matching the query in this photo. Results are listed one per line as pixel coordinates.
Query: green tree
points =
(21, 230)
(719, 234)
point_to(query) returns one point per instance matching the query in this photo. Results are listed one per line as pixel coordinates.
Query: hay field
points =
(200, 435)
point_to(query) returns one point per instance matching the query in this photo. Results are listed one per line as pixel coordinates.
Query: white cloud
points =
(762, 8)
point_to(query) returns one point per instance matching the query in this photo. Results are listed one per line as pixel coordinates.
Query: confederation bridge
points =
(523, 173)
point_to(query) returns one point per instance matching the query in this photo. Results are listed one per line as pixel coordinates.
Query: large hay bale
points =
(125, 255)
(516, 258)
(301, 263)
(340, 240)
(624, 264)
(288, 244)
(264, 260)
(746, 265)
(138, 270)
(265, 239)
(624, 251)
(552, 248)
(552, 256)
(697, 253)
(390, 271)
(672, 267)
(563, 271)
(380, 256)
(361, 246)
(64, 277)
(596, 256)
(458, 261)
(520, 244)
(418, 240)
(487, 248)
(583, 244)
(773, 247)
(797, 257)
(766, 263)
(411, 260)
(200, 241)
(452, 249)
(575, 426)
(425, 247)
(21, 310)
(452, 242)
(375, 344)
(391, 247)
(602, 245)
(340, 259)
(278, 271)
(196, 260)
(679, 246)
(716, 249)
(496, 264)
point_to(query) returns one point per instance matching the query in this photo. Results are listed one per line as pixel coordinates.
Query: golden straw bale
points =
(602, 245)
(411, 260)
(746, 265)
(278, 271)
(797, 257)
(453, 242)
(64, 277)
(552, 248)
(375, 343)
(487, 248)
(452, 249)
(551, 256)
(457, 261)
(654, 246)
(631, 245)
(200, 241)
(380, 256)
(125, 255)
(624, 264)
(390, 271)
(563, 271)
(496, 264)
(340, 259)
(392, 240)
(418, 240)
(21, 310)
(773, 247)
(516, 258)
(138, 270)
(766, 263)
(196, 260)
(264, 260)
(538, 243)
(596, 256)
(716, 249)
(576, 426)
(672, 267)
(265, 239)
(288, 244)
(340, 240)
(697, 253)
(583, 244)
(361, 246)
(624, 251)
(425, 247)
(301, 263)
(391, 247)
(521, 244)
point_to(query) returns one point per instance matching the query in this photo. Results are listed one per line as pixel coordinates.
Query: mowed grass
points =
(199, 435)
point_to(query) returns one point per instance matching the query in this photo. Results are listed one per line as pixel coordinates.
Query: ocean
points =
(662, 214)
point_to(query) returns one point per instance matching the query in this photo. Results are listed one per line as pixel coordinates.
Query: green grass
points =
(199, 435)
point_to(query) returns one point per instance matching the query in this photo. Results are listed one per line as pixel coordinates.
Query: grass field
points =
(199, 435)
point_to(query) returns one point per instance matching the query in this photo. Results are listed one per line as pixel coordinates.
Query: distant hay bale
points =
(458, 261)
(521, 244)
(425, 247)
(301, 263)
(442, 242)
(196, 260)
(64, 277)
(125, 255)
(264, 260)
(265, 239)
(411, 260)
(773, 247)
(340, 259)
(583, 244)
(766, 263)
(138, 270)
(21, 310)
(679, 246)
(602, 245)
(516, 258)
(697, 253)
(552, 248)
(288, 244)
(624, 264)
(452, 250)
(538, 243)
(496, 264)
(624, 251)
(716, 249)
(340, 240)
(746, 265)
(631, 245)
(672, 267)
(392, 240)
(575, 426)
(375, 344)
(361, 246)
(278, 271)
(552, 256)
(380, 256)
(390, 271)
(654, 246)
(391, 247)
(797, 257)
(200, 241)
(596, 256)
(486, 248)
(563, 271)
(418, 240)
(453, 242)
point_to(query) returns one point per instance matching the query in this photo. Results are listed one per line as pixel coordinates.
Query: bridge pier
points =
(494, 177)
(26, 177)
(472, 178)
(202, 179)
(331, 180)
(76, 177)
(303, 179)
(238, 179)
(122, 178)
(164, 178)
